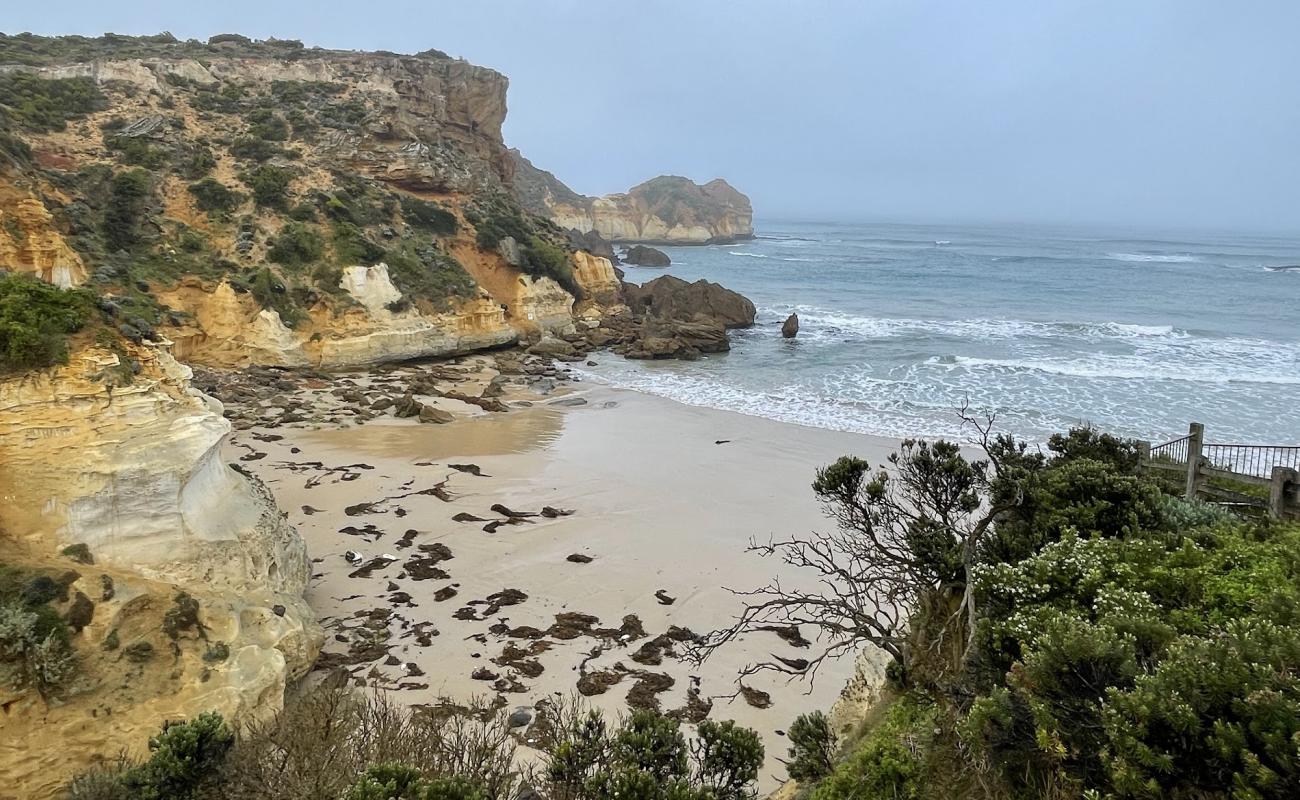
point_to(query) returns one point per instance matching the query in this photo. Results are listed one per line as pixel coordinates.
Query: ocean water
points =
(900, 325)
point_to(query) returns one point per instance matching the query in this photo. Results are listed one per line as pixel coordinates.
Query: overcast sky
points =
(1145, 112)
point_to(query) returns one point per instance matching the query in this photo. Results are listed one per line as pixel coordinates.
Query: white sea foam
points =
(743, 253)
(1153, 258)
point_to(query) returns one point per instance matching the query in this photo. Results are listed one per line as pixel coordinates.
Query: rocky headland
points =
(668, 209)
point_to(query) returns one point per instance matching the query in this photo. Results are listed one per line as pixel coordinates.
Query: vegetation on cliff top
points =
(36, 320)
(278, 216)
(1057, 628)
(33, 50)
(334, 742)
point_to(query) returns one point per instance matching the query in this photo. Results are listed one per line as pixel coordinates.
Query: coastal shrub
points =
(184, 760)
(296, 244)
(47, 104)
(812, 747)
(645, 756)
(400, 782)
(196, 161)
(428, 216)
(124, 212)
(428, 273)
(137, 152)
(890, 761)
(36, 320)
(352, 247)
(251, 148)
(269, 185)
(266, 125)
(214, 197)
(272, 293)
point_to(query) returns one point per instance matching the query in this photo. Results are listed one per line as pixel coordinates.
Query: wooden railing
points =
(1244, 476)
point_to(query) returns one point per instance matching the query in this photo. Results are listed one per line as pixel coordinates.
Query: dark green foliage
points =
(344, 114)
(1126, 645)
(137, 152)
(271, 292)
(46, 104)
(35, 322)
(812, 746)
(651, 743)
(265, 124)
(214, 197)
(35, 648)
(296, 245)
(399, 782)
(727, 759)
(195, 162)
(288, 93)
(353, 248)
(12, 147)
(183, 759)
(427, 273)
(890, 762)
(79, 553)
(270, 185)
(251, 148)
(128, 196)
(648, 757)
(182, 616)
(428, 216)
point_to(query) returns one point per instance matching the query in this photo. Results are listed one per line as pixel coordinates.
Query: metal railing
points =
(1242, 476)
(1251, 459)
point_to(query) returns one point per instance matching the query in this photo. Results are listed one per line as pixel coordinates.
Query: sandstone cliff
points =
(664, 210)
(259, 202)
(112, 479)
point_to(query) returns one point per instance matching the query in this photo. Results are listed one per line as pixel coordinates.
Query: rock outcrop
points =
(670, 318)
(670, 297)
(664, 210)
(117, 458)
(641, 255)
(790, 328)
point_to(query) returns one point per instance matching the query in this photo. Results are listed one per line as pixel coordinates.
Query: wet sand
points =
(664, 498)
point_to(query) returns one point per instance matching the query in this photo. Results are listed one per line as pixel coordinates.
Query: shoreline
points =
(664, 499)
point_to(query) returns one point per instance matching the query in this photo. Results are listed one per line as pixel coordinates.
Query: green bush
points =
(297, 244)
(812, 747)
(36, 320)
(267, 125)
(427, 273)
(46, 104)
(400, 782)
(428, 216)
(251, 148)
(352, 248)
(890, 761)
(214, 197)
(272, 293)
(128, 198)
(137, 152)
(269, 185)
(184, 759)
(727, 759)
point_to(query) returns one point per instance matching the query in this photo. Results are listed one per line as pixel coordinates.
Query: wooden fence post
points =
(1277, 491)
(1196, 438)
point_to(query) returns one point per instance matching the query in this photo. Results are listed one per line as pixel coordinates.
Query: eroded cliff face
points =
(664, 210)
(116, 454)
(260, 203)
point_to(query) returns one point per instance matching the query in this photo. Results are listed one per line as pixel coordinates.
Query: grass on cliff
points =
(36, 321)
(47, 104)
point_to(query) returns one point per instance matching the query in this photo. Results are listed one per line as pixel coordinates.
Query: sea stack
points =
(790, 328)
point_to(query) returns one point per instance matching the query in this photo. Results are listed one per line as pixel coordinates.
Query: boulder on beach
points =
(790, 328)
(669, 297)
(643, 256)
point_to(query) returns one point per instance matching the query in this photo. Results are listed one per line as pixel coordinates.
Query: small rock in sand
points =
(579, 558)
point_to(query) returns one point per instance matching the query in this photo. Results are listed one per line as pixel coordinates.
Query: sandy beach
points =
(663, 498)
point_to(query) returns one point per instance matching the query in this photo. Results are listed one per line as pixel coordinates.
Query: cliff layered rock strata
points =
(664, 210)
(116, 459)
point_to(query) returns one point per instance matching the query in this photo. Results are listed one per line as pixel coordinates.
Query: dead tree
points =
(905, 540)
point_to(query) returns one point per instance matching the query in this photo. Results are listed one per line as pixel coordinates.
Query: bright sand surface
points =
(664, 497)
